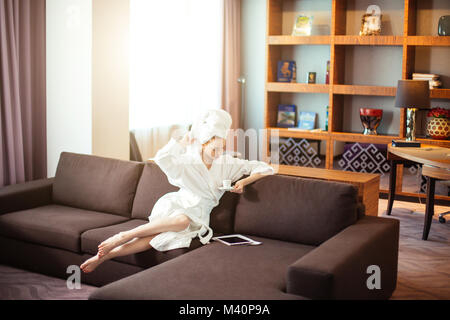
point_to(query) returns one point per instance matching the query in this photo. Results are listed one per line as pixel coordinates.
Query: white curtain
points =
(176, 53)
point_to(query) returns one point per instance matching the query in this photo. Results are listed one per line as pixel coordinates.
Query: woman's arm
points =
(237, 168)
(239, 185)
(167, 158)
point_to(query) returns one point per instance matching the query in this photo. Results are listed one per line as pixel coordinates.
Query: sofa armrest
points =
(360, 210)
(338, 268)
(26, 195)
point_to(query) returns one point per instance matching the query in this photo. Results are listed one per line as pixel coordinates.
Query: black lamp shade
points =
(413, 94)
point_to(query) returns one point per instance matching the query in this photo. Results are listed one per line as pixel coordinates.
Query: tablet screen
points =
(234, 240)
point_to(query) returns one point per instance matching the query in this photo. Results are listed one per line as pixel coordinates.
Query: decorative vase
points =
(438, 128)
(370, 119)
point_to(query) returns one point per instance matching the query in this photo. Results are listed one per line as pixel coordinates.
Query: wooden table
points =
(368, 184)
(436, 166)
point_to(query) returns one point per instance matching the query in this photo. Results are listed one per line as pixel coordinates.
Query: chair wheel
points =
(441, 219)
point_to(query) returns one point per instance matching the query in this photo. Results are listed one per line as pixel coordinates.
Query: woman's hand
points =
(238, 187)
(187, 139)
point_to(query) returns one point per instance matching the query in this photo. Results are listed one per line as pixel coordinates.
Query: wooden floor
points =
(423, 273)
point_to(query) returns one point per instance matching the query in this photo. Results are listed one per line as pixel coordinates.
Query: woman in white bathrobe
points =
(196, 164)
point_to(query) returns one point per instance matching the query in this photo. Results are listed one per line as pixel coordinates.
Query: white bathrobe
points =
(199, 190)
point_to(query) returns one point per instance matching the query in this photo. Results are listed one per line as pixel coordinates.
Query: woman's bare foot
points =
(91, 264)
(112, 242)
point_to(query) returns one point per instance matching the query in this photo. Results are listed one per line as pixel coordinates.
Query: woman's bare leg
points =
(176, 223)
(134, 246)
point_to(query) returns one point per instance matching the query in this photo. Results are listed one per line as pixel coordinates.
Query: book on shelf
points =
(433, 79)
(307, 120)
(428, 76)
(287, 71)
(405, 144)
(287, 116)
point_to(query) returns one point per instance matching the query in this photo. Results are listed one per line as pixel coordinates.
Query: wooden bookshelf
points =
(431, 41)
(297, 87)
(364, 90)
(290, 40)
(369, 40)
(337, 89)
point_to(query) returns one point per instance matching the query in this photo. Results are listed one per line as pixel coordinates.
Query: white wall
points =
(69, 50)
(253, 54)
(87, 78)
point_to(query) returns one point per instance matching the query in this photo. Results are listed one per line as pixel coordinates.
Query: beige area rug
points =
(424, 266)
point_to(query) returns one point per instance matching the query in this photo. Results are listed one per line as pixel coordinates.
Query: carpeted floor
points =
(16, 284)
(424, 266)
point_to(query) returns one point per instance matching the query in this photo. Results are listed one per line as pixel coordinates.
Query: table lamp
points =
(413, 95)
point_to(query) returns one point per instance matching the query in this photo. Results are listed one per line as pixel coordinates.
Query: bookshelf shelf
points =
(359, 137)
(440, 94)
(291, 40)
(337, 90)
(369, 40)
(297, 87)
(364, 90)
(439, 143)
(430, 41)
(287, 133)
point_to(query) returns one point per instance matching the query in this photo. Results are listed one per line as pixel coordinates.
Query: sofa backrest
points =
(153, 184)
(296, 209)
(96, 183)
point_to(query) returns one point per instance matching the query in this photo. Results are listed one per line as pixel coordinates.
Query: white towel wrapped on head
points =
(214, 122)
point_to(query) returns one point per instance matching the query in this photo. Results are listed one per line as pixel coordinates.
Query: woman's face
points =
(214, 148)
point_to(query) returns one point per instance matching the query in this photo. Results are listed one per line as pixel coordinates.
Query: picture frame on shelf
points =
(371, 22)
(311, 77)
(287, 116)
(302, 25)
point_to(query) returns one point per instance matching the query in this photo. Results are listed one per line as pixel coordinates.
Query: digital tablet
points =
(236, 239)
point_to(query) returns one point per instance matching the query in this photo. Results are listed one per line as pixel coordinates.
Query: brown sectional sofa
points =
(316, 243)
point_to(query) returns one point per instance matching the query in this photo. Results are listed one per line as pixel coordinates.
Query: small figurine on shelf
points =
(444, 26)
(371, 21)
(327, 77)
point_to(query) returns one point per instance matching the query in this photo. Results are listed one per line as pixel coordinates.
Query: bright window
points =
(175, 60)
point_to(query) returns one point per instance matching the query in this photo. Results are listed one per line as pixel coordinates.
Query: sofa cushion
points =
(296, 209)
(214, 271)
(96, 183)
(54, 225)
(90, 240)
(153, 184)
